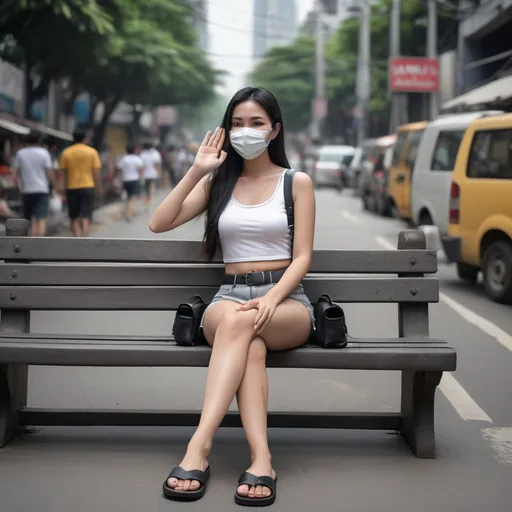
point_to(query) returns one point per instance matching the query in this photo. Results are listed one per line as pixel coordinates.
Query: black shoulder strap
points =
(288, 202)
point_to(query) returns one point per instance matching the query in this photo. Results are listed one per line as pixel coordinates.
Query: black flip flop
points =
(178, 472)
(252, 481)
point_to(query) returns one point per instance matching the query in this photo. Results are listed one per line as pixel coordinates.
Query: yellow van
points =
(404, 157)
(480, 228)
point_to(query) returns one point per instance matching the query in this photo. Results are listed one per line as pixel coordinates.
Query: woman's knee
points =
(257, 353)
(235, 324)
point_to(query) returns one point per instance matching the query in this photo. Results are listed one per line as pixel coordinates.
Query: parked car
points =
(378, 198)
(404, 159)
(480, 213)
(361, 154)
(432, 174)
(372, 171)
(330, 165)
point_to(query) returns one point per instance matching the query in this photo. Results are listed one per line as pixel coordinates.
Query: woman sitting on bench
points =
(237, 179)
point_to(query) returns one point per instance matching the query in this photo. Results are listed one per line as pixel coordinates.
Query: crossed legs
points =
(237, 365)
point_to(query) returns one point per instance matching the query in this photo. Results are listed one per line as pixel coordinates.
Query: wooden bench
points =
(77, 274)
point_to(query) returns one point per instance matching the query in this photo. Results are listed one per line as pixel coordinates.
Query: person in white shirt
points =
(131, 167)
(152, 170)
(33, 170)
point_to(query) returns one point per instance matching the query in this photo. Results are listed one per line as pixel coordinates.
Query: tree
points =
(288, 71)
(149, 63)
(45, 36)
(141, 52)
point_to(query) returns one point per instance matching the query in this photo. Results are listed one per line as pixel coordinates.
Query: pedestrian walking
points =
(81, 170)
(237, 179)
(131, 166)
(152, 170)
(34, 171)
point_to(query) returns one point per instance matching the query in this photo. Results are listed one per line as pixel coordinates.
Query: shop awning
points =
(52, 132)
(14, 127)
(491, 94)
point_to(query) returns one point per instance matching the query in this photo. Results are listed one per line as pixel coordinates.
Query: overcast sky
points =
(230, 26)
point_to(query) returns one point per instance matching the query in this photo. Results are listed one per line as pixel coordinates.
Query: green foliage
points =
(140, 52)
(289, 71)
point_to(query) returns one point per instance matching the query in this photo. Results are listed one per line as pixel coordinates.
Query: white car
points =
(433, 169)
(330, 165)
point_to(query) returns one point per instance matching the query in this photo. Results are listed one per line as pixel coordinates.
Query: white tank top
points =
(255, 232)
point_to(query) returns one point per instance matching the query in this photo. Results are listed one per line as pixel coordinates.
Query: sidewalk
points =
(58, 225)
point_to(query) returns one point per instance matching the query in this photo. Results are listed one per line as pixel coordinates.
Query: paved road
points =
(121, 469)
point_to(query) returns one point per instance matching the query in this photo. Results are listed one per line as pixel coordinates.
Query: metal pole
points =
(432, 51)
(319, 68)
(398, 106)
(363, 82)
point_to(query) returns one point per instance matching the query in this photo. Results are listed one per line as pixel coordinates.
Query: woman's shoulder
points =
(302, 182)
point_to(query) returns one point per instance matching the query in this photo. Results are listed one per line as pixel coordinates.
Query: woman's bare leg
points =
(289, 328)
(231, 332)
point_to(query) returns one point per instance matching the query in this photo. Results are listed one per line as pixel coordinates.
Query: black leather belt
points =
(255, 278)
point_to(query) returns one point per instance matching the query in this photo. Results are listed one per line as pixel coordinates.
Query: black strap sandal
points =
(181, 474)
(252, 481)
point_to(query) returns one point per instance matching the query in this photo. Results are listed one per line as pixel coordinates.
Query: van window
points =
(491, 155)
(399, 148)
(445, 152)
(412, 150)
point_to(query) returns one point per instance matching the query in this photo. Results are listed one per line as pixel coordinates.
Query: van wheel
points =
(467, 272)
(497, 270)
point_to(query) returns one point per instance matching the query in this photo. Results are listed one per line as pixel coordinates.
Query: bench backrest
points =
(125, 274)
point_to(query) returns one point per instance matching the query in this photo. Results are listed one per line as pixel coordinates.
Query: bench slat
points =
(164, 298)
(58, 274)
(186, 251)
(438, 357)
(166, 341)
(282, 419)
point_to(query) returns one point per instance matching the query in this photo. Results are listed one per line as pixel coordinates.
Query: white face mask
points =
(248, 142)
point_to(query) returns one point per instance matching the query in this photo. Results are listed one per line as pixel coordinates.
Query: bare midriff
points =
(243, 267)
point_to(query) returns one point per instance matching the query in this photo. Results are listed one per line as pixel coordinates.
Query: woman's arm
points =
(190, 197)
(186, 201)
(304, 211)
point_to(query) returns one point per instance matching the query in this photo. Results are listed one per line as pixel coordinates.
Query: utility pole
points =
(318, 106)
(432, 51)
(363, 74)
(398, 114)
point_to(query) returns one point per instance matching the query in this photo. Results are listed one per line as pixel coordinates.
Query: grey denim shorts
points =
(242, 293)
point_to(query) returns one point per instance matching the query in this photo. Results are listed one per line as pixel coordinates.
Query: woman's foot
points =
(195, 458)
(259, 467)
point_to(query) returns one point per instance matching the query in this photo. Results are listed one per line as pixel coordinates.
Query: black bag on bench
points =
(186, 329)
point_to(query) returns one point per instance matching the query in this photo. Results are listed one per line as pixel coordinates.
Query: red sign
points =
(414, 74)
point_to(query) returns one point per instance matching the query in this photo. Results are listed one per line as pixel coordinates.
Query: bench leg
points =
(13, 398)
(418, 393)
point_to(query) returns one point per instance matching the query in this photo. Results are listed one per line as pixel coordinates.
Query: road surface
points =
(122, 469)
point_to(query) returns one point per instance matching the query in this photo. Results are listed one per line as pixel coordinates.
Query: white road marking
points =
(461, 400)
(500, 440)
(473, 318)
(385, 243)
(351, 217)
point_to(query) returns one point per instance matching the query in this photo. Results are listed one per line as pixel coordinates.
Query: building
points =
(485, 50)
(275, 24)
(483, 73)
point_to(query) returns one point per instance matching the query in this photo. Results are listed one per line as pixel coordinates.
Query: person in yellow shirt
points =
(81, 168)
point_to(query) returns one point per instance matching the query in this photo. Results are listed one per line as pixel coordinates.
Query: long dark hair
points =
(224, 178)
